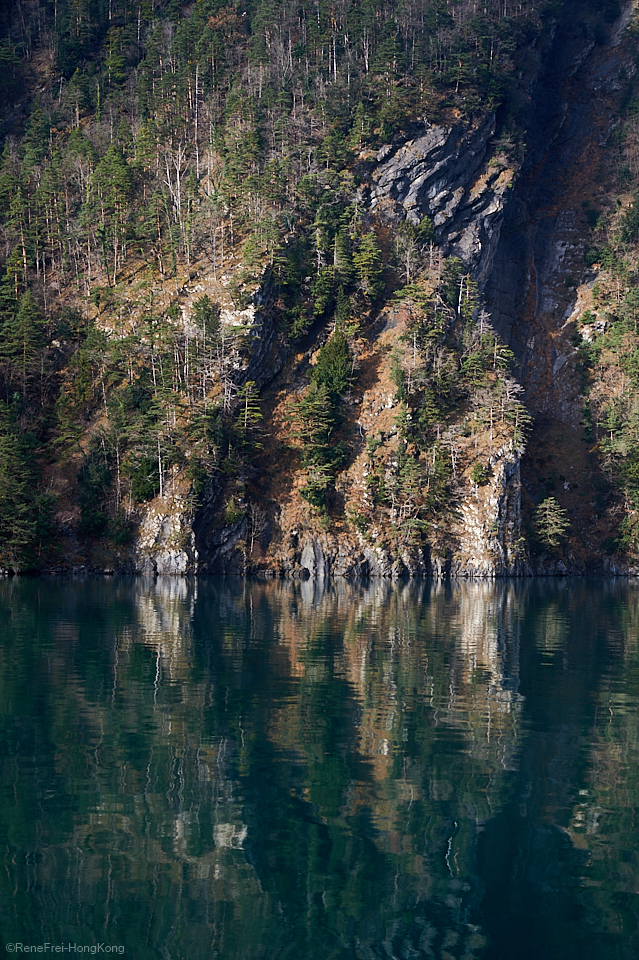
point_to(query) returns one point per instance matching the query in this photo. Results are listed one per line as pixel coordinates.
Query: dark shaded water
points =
(230, 770)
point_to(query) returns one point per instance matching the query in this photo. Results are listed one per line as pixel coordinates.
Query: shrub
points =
(479, 474)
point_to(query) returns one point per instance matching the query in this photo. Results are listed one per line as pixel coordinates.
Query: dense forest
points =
(182, 191)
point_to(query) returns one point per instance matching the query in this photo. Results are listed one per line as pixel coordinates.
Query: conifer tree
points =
(249, 413)
(17, 514)
(342, 260)
(333, 369)
(368, 266)
(551, 521)
(112, 183)
(21, 341)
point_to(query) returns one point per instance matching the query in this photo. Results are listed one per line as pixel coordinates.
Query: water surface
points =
(230, 770)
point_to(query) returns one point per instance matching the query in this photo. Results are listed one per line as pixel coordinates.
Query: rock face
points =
(445, 173)
(329, 557)
(165, 544)
(171, 535)
(457, 176)
(489, 534)
(442, 173)
(485, 543)
(540, 285)
(539, 260)
(451, 175)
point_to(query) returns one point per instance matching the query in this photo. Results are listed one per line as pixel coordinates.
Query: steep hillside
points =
(548, 264)
(291, 291)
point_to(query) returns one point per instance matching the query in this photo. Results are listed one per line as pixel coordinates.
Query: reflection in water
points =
(198, 768)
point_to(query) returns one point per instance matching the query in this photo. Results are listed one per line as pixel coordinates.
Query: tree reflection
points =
(274, 770)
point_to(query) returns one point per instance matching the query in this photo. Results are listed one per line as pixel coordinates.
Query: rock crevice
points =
(505, 221)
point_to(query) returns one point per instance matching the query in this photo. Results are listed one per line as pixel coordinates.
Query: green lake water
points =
(229, 770)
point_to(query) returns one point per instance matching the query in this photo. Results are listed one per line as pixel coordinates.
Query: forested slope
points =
(242, 316)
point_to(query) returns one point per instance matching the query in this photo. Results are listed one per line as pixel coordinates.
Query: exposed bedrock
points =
(442, 172)
(540, 283)
(521, 232)
(539, 261)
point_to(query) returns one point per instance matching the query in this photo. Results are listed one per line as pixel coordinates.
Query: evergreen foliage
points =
(176, 135)
(334, 367)
(551, 522)
(24, 511)
(317, 415)
(479, 474)
(21, 343)
(314, 419)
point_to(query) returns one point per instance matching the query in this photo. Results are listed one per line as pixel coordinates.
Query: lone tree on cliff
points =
(551, 522)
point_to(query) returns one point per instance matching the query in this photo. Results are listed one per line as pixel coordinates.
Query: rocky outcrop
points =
(488, 537)
(450, 174)
(325, 557)
(523, 247)
(442, 172)
(170, 531)
(263, 352)
(165, 544)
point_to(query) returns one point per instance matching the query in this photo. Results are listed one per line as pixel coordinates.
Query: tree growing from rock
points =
(551, 522)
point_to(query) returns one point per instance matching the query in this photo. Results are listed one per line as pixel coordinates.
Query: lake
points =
(223, 769)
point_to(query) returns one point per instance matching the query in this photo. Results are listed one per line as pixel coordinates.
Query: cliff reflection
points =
(263, 770)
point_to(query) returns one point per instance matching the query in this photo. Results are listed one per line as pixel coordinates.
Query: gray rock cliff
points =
(517, 236)
(445, 173)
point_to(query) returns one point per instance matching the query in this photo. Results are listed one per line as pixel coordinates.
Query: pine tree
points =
(334, 366)
(314, 420)
(17, 503)
(342, 260)
(112, 183)
(249, 413)
(361, 128)
(21, 341)
(551, 522)
(368, 266)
